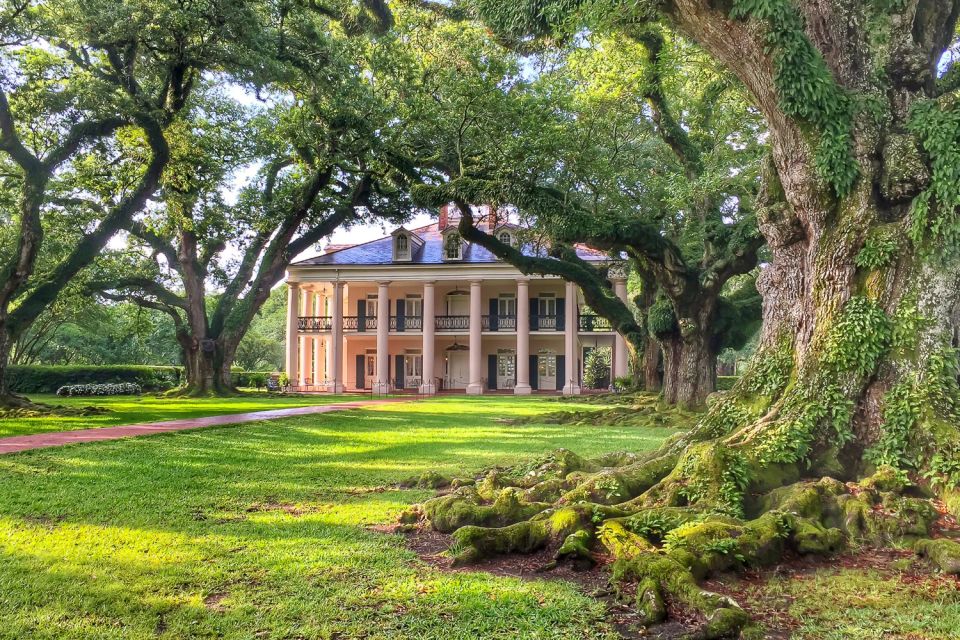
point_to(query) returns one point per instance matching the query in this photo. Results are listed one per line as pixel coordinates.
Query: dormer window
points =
(452, 247)
(405, 243)
(403, 247)
(505, 237)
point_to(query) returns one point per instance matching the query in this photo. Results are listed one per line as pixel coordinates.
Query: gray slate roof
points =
(380, 251)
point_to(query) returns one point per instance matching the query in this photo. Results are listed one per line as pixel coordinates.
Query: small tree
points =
(596, 368)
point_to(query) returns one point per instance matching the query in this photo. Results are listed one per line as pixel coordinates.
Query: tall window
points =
(452, 247)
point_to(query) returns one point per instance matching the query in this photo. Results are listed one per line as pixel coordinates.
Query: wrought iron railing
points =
(314, 323)
(452, 323)
(507, 323)
(406, 323)
(498, 323)
(590, 322)
(546, 323)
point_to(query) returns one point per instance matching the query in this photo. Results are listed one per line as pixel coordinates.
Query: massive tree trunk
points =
(855, 371)
(689, 369)
(207, 368)
(652, 358)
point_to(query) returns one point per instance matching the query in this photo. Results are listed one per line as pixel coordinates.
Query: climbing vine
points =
(807, 89)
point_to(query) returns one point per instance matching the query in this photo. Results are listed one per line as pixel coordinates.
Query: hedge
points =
(49, 378)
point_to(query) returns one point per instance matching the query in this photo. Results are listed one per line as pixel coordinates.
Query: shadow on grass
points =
(130, 538)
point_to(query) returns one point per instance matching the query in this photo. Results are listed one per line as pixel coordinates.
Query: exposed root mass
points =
(667, 521)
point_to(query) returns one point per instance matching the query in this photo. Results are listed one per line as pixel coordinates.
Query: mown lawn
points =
(258, 530)
(857, 604)
(134, 409)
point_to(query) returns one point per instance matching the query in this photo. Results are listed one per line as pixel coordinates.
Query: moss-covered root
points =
(466, 506)
(568, 528)
(943, 553)
(664, 578)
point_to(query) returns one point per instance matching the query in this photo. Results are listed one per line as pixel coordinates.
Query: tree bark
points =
(652, 380)
(842, 318)
(690, 370)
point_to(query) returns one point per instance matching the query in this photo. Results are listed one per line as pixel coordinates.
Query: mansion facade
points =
(421, 310)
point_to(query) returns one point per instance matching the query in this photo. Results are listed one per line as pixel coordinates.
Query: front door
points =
(458, 370)
(506, 370)
(547, 371)
(412, 370)
(369, 371)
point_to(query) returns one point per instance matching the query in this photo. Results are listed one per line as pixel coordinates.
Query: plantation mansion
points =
(424, 311)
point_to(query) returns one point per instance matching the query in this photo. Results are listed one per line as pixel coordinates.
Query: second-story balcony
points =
(590, 323)
(586, 323)
(452, 323)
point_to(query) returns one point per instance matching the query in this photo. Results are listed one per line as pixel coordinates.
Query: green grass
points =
(134, 409)
(856, 604)
(258, 530)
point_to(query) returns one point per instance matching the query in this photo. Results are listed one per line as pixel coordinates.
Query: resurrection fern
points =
(934, 212)
(877, 252)
(859, 337)
(807, 89)
(770, 372)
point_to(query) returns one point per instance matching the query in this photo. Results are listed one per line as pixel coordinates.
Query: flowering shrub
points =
(113, 389)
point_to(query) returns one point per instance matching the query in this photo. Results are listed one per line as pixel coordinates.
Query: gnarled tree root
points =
(669, 519)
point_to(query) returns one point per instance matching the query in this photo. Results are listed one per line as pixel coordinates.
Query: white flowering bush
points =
(111, 389)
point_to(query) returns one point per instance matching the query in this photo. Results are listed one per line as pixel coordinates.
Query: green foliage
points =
(934, 213)
(111, 389)
(913, 411)
(807, 89)
(726, 415)
(596, 368)
(878, 251)
(47, 379)
(661, 320)
(770, 369)
(858, 338)
(654, 524)
(943, 471)
(734, 482)
(902, 410)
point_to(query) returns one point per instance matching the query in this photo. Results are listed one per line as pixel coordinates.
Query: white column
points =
(317, 343)
(306, 342)
(571, 386)
(293, 341)
(475, 387)
(620, 357)
(523, 338)
(335, 370)
(382, 384)
(427, 384)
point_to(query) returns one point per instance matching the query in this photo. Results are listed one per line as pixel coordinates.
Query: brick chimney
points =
(444, 216)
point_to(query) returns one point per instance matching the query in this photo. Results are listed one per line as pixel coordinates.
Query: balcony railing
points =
(586, 323)
(590, 323)
(498, 323)
(546, 323)
(406, 323)
(314, 323)
(452, 323)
